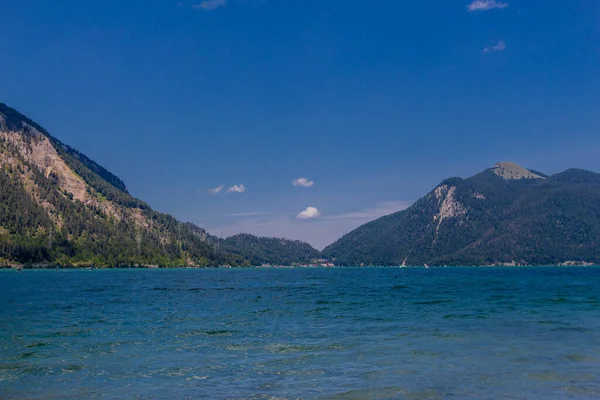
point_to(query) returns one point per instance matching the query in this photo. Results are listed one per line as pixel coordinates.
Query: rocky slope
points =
(504, 215)
(58, 206)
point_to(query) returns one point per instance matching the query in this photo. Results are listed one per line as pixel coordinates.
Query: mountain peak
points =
(510, 170)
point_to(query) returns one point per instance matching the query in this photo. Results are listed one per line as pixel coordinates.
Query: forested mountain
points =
(278, 251)
(58, 206)
(503, 215)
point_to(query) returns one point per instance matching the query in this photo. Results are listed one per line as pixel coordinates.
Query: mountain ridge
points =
(486, 219)
(61, 207)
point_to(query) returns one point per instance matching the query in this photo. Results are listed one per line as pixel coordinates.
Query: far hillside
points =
(505, 215)
(269, 250)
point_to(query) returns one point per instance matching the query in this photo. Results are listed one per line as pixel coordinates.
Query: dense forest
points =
(259, 250)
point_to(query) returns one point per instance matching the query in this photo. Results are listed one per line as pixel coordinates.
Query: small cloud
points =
(485, 5)
(216, 190)
(237, 189)
(309, 213)
(318, 232)
(209, 4)
(501, 46)
(302, 182)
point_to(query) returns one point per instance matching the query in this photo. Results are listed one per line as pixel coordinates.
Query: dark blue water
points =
(438, 333)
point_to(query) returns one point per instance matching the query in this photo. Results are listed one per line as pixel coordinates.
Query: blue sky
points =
(374, 102)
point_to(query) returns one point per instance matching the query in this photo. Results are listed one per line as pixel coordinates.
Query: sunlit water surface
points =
(438, 333)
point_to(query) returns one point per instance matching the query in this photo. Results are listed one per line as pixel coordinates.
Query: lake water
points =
(340, 333)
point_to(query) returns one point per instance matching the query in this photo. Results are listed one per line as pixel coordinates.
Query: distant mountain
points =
(259, 250)
(504, 215)
(58, 206)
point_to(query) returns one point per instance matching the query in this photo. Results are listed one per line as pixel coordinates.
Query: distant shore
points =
(17, 266)
(50, 266)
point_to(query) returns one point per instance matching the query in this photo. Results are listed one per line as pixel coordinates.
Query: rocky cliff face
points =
(27, 148)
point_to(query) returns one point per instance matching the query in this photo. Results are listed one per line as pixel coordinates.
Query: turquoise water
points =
(438, 333)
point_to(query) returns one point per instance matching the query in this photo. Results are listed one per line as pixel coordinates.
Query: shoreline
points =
(258, 267)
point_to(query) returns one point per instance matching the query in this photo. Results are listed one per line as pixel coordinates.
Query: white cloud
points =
(484, 5)
(309, 213)
(216, 190)
(237, 189)
(210, 4)
(500, 46)
(319, 233)
(302, 182)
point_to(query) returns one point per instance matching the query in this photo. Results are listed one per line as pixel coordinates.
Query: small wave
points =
(73, 368)
(316, 310)
(9, 367)
(196, 377)
(560, 299)
(220, 332)
(579, 357)
(210, 332)
(570, 329)
(263, 311)
(386, 393)
(290, 348)
(546, 376)
(34, 345)
(419, 353)
(238, 347)
(68, 334)
(428, 302)
(36, 370)
(460, 316)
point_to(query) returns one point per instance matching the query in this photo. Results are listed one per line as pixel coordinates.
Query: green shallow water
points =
(340, 333)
